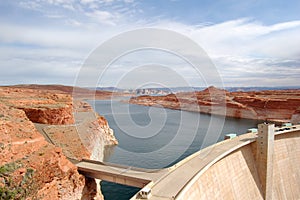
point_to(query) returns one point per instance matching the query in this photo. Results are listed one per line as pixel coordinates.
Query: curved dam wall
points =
(238, 175)
(286, 171)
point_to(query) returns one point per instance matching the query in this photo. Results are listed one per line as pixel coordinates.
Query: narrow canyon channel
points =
(151, 137)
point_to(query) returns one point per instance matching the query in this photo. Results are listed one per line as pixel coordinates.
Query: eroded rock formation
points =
(30, 166)
(275, 105)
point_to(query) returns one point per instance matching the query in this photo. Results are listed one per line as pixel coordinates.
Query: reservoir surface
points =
(154, 137)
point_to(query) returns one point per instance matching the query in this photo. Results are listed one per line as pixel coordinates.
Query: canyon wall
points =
(33, 160)
(29, 166)
(276, 105)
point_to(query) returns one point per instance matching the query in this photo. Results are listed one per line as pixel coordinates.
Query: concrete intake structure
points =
(264, 158)
(251, 166)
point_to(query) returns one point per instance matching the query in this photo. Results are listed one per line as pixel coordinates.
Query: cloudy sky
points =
(251, 42)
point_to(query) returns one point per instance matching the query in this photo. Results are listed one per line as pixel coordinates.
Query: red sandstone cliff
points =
(282, 105)
(31, 167)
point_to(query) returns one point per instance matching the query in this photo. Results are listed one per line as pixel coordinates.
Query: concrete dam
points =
(266, 168)
(262, 165)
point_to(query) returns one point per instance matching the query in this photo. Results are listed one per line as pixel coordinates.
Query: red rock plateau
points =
(38, 131)
(272, 105)
(76, 92)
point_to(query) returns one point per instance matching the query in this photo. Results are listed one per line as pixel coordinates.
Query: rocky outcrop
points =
(296, 116)
(108, 133)
(30, 166)
(59, 115)
(275, 105)
(40, 106)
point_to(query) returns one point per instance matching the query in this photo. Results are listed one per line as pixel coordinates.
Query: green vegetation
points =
(28, 176)
(12, 190)
(7, 194)
(8, 168)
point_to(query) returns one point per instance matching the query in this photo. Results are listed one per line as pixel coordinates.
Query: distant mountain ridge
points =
(165, 91)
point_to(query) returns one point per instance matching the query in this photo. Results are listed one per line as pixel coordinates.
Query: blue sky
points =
(251, 43)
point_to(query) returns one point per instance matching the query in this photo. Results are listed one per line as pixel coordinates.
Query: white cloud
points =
(102, 12)
(103, 17)
(73, 22)
(246, 38)
(43, 6)
(108, 1)
(30, 5)
(59, 2)
(87, 1)
(248, 52)
(55, 16)
(49, 38)
(69, 7)
(286, 25)
(245, 52)
(19, 65)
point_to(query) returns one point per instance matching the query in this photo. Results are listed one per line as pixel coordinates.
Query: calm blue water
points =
(152, 137)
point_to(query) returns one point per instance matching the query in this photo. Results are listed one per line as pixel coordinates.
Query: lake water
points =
(152, 137)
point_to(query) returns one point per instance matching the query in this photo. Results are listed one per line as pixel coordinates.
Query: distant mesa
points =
(269, 105)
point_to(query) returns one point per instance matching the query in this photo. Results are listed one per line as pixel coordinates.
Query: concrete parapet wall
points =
(236, 176)
(286, 168)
